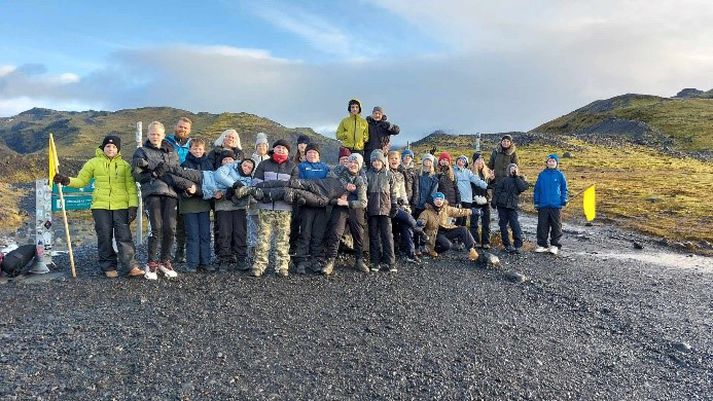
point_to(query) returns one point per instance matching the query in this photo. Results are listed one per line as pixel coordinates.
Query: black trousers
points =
(549, 222)
(162, 217)
(114, 224)
(180, 238)
(232, 233)
(313, 224)
(484, 237)
(381, 240)
(341, 216)
(461, 221)
(446, 236)
(509, 217)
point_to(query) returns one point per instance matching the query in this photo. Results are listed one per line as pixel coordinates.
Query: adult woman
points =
(228, 140)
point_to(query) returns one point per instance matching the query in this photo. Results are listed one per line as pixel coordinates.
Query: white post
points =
(477, 142)
(140, 212)
(43, 227)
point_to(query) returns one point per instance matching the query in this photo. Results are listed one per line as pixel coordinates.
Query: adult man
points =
(181, 143)
(380, 132)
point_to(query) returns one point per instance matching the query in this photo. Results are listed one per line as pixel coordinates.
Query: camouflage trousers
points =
(273, 223)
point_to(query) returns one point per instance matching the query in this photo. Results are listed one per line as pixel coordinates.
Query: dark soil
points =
(597, 322)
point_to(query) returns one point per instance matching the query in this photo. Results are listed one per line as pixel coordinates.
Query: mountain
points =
(77, 134)
(683, 123)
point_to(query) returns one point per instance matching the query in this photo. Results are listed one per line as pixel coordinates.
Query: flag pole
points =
(54, 160)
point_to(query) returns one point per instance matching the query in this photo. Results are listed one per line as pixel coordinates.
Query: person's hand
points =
(61, 179)
(351, 187)
(218, 195)
(192, 189)
(400, 201)
(394, 210)
(133, 211)
(142, 163)
(342, 201)
(160, 170)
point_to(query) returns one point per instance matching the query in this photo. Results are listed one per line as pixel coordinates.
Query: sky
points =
(458, 66)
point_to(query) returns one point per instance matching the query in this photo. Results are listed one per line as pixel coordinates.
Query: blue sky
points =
(462, 66)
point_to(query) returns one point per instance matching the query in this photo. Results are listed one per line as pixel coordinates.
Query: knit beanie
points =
(464, 157)
(113, 139)
(554, 156)
(506, 136)
(281, 142)
(261, 138)
(379, 109)
(378, 154)
(312, 146)
(344, 152)
(439, 195)
(359, 159)
(303, 139)
(406, 152)
(445, 156)
(430, 157)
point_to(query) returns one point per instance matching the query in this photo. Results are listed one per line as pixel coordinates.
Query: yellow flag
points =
(53, 161)
(589, 203)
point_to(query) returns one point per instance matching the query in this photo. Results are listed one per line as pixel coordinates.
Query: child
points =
(425, 186)
(447, 179)
(435, 221)
(196, 214)
(550, 197)
(506, 197)
(114, 205)
(231, 213)
(353, 130)
(481, 200)
(403, 223)
(381, 208)
(464, 179)
(150, 164)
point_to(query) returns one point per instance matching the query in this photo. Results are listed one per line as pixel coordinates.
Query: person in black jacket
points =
(380, 132)
(506, 197)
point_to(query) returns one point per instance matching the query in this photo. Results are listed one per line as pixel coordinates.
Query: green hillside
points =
(680, 124)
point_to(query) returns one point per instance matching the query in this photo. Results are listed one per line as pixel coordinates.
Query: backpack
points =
(17, 262)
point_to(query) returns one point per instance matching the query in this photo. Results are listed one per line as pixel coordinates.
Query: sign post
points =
(140, 212)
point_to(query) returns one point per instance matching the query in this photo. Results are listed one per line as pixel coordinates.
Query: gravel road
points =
(602, 321)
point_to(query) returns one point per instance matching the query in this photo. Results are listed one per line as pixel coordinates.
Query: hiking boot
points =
(510, 249)
(135, 272)
(328, 268)
(190, 269)
(257, 193)
(554, 250)
(111, 273)
(166, 268)
(255, 272)
(242, 265)
(151, 269)
(360, 265)
(283, 273)
(179, 258)
(541, 249)
(473, 255)
(433, 254)
(392, 268)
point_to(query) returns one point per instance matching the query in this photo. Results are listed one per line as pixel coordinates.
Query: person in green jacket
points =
(114, 205)
(353, 130)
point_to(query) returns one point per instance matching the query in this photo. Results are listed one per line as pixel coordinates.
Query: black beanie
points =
(281, 142)
(113, 139)
(303, 139)
(312, 146)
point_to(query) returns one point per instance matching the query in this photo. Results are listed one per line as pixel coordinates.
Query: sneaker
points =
(190, 269)
(135, 272)
(413, 259)
(541, 249)
(166, 268)
(257, 193)
(283, 273)
(111, 273)
(375, 268)
(392, 269)
(151, 269)
(255, 272)
(516, 250)
(361, 266)
(554, 250)
(301, 268)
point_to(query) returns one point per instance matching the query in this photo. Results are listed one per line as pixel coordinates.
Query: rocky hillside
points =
(78, 133)
(679, 124)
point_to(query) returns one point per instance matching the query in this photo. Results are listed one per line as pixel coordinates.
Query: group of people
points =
(297, 207)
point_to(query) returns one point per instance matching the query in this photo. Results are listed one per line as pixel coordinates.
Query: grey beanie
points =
(378, 154)
(261, 138)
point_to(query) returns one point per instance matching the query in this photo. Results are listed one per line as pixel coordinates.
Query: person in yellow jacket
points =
(353, 130)
(114, 205)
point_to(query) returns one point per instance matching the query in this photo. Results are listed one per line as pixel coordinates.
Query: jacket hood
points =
(507, 151)
(353, 101)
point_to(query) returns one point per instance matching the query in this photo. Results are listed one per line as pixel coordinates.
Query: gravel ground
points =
(600, 321)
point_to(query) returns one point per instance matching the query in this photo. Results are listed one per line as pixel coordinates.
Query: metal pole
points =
(140, 213)
(477, 142)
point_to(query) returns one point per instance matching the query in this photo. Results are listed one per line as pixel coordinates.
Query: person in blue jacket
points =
(181, 142)
(550, 197)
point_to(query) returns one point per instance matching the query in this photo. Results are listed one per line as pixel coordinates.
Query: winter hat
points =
(281, 142)
(379, 109)
(378, 154)
(240, 170)
(303, 139)
(356, 157)
(464, 157)
(554, 156)
(312, 146)
(406, 152)
(113, 139)
(261, 138)
(476, 156)
(439, 195)
(227, 153)
(446, 156)
(351, 102)
(510, 166)
(506, 136)
(430, 157)
(344, 152)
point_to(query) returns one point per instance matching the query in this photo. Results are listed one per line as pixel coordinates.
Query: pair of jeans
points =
(509, 217)
(197, 227)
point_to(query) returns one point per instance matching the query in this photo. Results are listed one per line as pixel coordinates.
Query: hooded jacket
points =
(380, 133)
(464, 179)
(506, 192)
(150, 185)
(425, 189)
(439, 217)
(195, 203)
(353, 131)
(114, 186)
(270, 170)
(181, 150)
(380, 191)
(501, 158)
(551, 189)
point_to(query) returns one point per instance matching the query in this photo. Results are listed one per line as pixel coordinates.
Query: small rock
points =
(489, 259)
(703, 244)
(567, 155)
(682, 346)
(516, 277)
(638, 245)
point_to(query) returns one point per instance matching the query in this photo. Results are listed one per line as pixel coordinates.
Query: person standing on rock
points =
(380, 132)
(275, 215)
(550, 197)
(114, 205)
(506, 198)
(181, 142)
(503, 155)
(353, 130)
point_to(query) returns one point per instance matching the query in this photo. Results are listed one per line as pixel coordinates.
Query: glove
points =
(420, 223)
(475, 212)
(394, 210)
(385, 125)
(160, 170)
(132, 214)
(142, 163)
(238, 184)
(61, 179)
(400, 201)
